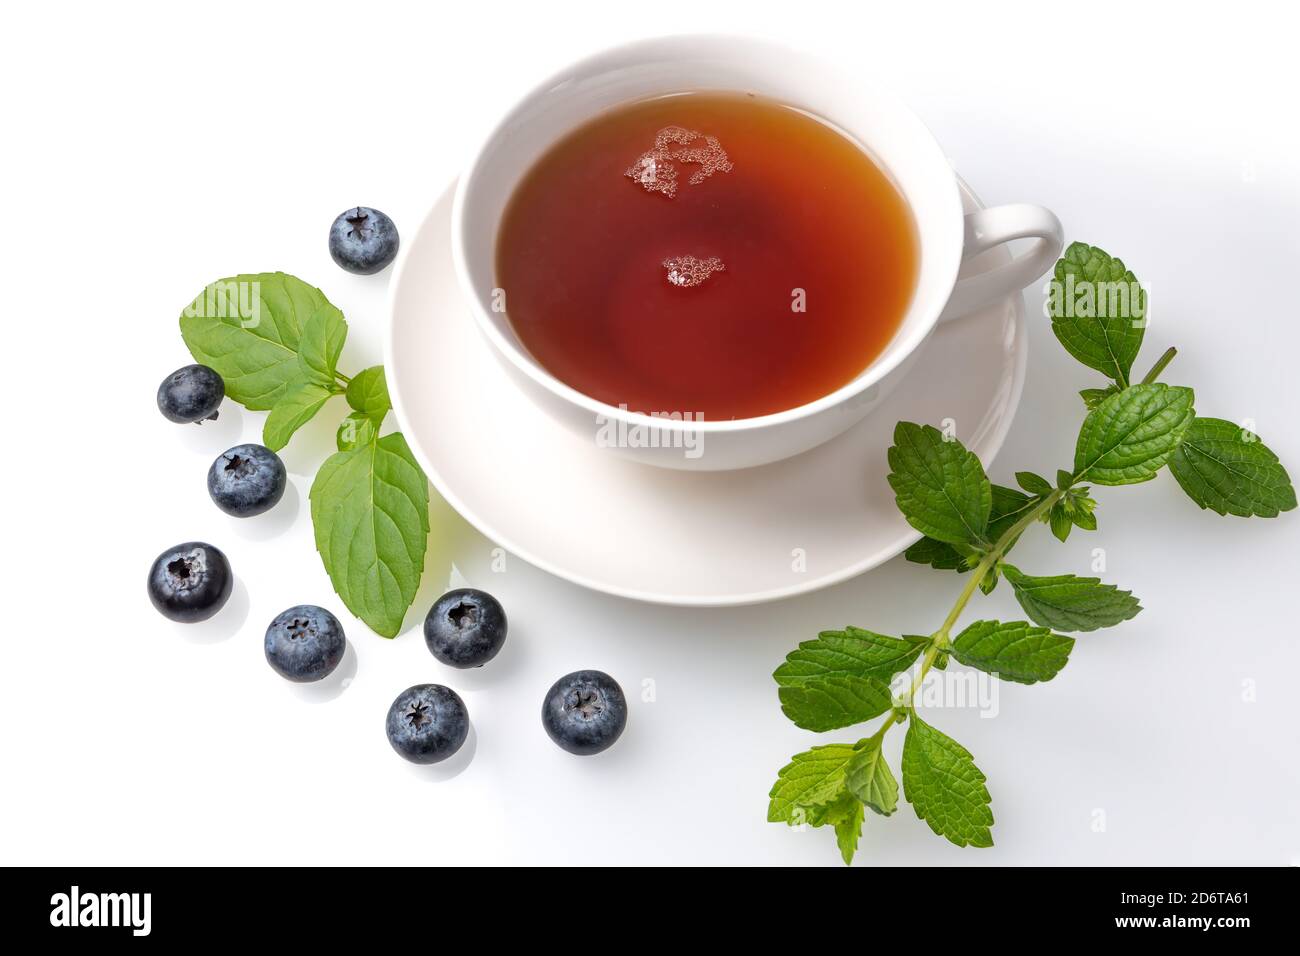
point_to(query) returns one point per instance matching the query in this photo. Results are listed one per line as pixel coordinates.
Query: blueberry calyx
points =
(358, 224)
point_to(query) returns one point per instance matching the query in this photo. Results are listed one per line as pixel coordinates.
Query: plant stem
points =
(939, 639)
(1159, 367)
(343, 378)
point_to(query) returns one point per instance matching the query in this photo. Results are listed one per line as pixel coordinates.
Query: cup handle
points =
(986, 228)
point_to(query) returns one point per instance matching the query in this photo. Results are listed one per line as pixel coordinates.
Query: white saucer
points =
(673, 537)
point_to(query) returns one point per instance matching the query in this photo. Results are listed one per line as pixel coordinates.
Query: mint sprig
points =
(276, 341)
(1130, 432)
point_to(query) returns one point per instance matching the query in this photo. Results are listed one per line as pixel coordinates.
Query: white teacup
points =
(882, 125)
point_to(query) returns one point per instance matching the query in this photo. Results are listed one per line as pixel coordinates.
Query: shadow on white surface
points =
(454, 765)
(212, 438)
(322, 691)
(225, 623)
(510, 664)
(436, 579)
(273, 523)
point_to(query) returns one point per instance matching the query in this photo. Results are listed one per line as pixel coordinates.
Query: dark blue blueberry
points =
(585, 712)
(191, 394)
(190, 582)
(247, 480)
(363, 240)
(465, 628)
(305, 643)
(427, 723)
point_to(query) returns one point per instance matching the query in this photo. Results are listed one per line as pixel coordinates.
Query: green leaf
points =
(940, 487)
(1059, 521)
(1092, 397)
(1129, 436)
(1070, 603)
(1084, 519)
(846, 816)
(1098, 310)
(827, 703)
(296, 408)
(852, 652)
(320, 345)
(944, 786)
(1230, 471)
(247, 328)
(370, 512)
(1063, 479)
(1008, 506)
(368, 394)
(811, 779)
(1032, 483)
(356, 429)
(937, 554)
(870, 780)
(1015, 651)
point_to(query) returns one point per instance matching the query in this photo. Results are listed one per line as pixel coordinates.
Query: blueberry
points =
(247, 480)
(465, 628)
(191, 394)
(584, 712)
(363, 240)
(305, 643)
(427, 723)
(190, 582)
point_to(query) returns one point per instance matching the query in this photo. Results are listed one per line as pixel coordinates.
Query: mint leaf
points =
(852, 652)
(1015, 651)
(944, 786)
(870, 780)
(356, 429)
(813, 778)
(247, 328)
(1070, 603)
(1059, 521)
(826, 703)
(940, 487)
(370, 512)
(368, 394)
(1129, 436)
(1222, 468)
(846, 816)
(1008, 506)
(294, 409)
(1032, 483)
(1098, 310)
(1092, 397)
(937, 554)
(320, 344)
(1084, 519)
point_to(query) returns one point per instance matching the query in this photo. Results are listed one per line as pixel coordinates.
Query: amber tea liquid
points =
(708, 253)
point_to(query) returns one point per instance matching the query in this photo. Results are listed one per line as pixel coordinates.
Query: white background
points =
(149, 150)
